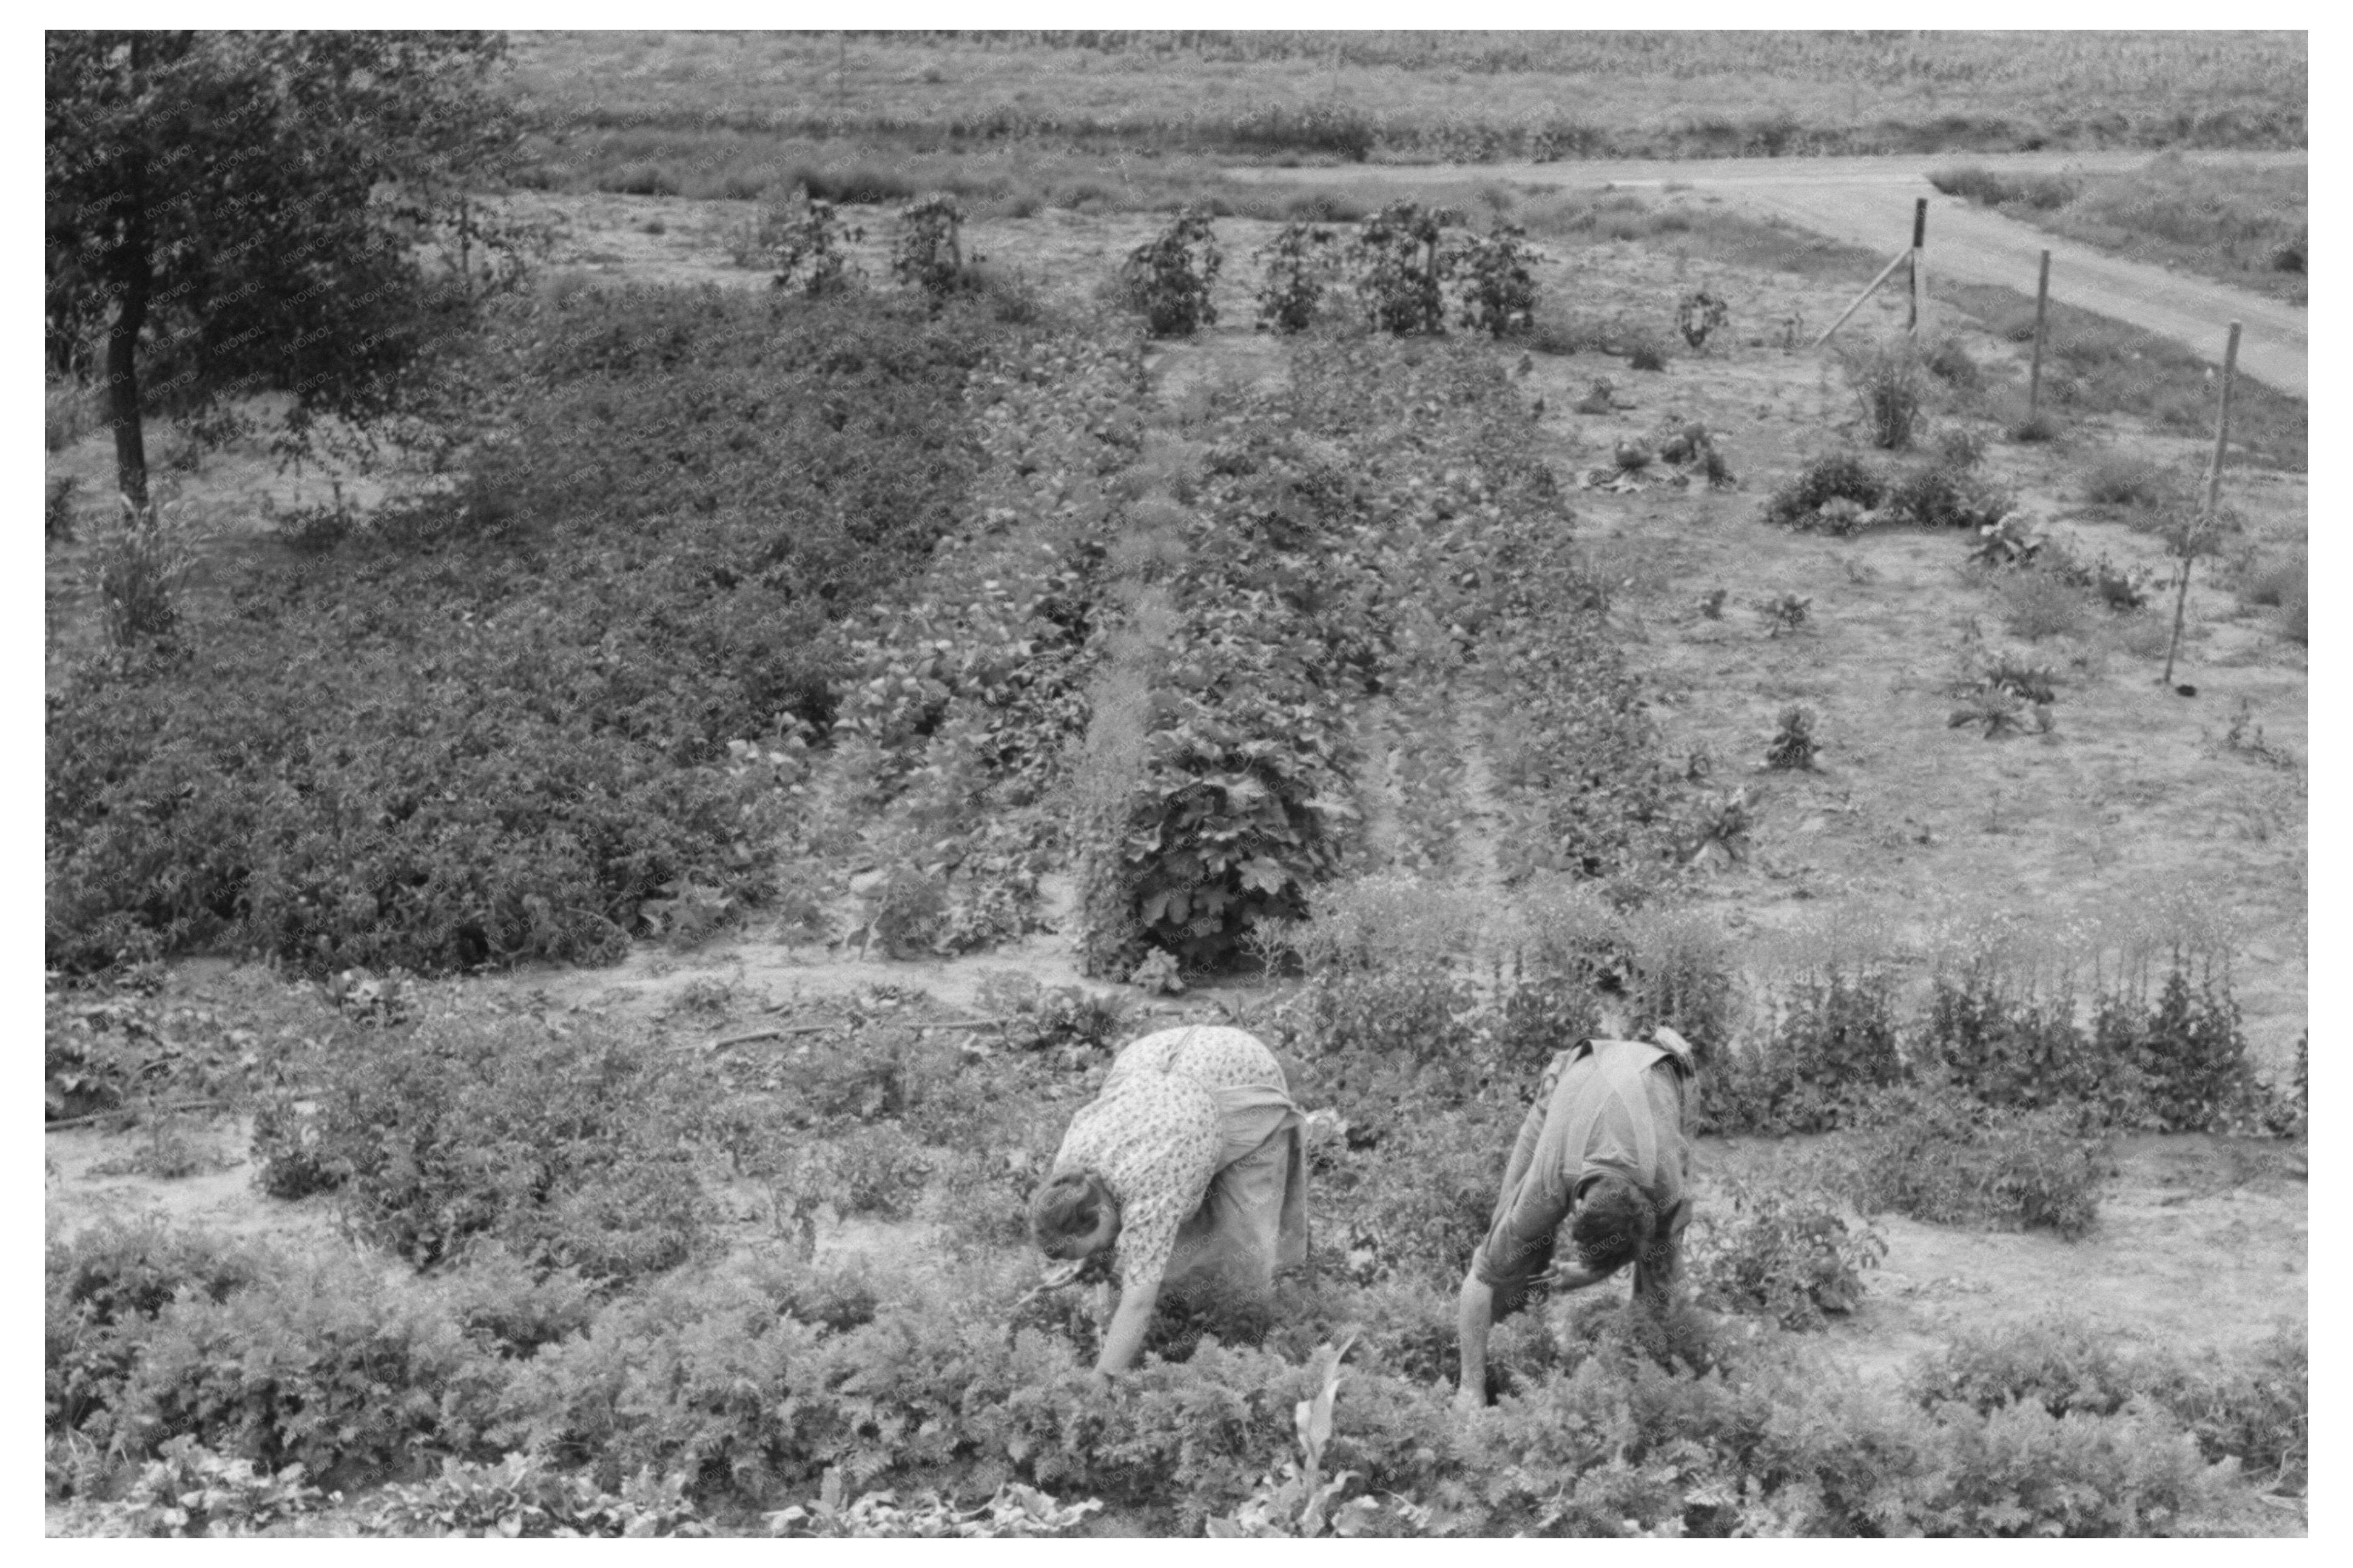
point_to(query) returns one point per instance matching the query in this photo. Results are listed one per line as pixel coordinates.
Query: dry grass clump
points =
(2118, 478)
(2036, 605)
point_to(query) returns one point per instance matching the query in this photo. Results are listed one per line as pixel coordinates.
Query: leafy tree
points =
(237, 211)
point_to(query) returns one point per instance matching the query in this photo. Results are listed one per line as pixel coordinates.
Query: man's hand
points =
(1567, 1275)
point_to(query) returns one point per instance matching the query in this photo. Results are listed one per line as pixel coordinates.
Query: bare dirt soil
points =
(1908, 825)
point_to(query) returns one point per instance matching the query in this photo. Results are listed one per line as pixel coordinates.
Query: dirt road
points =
(1868, 202)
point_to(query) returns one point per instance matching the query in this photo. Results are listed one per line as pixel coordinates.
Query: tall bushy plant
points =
(1298, 265)
(1402, 264)
(1495, 272)
(1170, 277)
(809, 248)
(927, 254)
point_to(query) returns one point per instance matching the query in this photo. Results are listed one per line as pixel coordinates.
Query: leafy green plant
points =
(1698, 314)
(104, 1289)
(927, 252)
(323, 1364)
(1945, 495)
(1169, 277)
(1401, 263)
(1790, 1256)
(543, 1137)
(137, 568)
(1833, 1042)
(715, 482)
(1299, 264)
(1783, 613)
(1645, 352)
(520, 1497)
(58, 507)
(1935, 1155)
(1793, 745)
(1301, 1502)
(1015, 1513)
(189, 1490)
(1494, 273)
(1837, 477)
(807, 243)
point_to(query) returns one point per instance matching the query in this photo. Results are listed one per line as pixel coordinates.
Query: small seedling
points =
(1711, 604)
(1793, 746)
(1599, 399)
(1632, 457)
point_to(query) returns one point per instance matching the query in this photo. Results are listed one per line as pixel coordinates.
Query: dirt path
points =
(1868, 202)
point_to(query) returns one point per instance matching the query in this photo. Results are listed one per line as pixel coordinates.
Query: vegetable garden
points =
(835, 615)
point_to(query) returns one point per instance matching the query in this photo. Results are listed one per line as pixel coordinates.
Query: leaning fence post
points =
(1869, 289)
(2206, 524)
(2042, 305)
(1919, 262)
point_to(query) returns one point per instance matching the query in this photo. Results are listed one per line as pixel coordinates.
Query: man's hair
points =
(1612, 1223)
(1068, 1208)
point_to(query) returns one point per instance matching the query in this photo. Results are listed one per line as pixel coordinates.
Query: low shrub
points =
(1936, 1155)
(1788, 1256)
(1838, 477)
(2036, 605)
(2116, 479)
(1948, 495)
(562, 1143)
(1975, 183)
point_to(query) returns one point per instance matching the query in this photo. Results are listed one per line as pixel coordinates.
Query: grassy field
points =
(2246, 227)
(732, 114)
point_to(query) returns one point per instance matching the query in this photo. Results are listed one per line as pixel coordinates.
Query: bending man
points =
(1602, 1149)
(1190, 1163)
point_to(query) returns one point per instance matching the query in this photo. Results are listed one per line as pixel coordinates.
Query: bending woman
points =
(1190, 1164)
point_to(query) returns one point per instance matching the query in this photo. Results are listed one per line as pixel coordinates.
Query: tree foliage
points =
(239, 212)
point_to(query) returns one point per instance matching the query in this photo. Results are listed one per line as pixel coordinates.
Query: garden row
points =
(731, 1394)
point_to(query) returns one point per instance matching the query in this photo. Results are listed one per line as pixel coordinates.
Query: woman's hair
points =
(1068, 1208)
(1612, 1223)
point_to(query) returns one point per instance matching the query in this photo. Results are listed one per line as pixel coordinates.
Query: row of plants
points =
(1486, 612)
(963, 692)
(496, 725)
(747, 1406)
(1403, 266)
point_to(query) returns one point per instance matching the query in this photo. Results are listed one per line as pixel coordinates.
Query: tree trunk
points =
(123, 378)
(133, 274)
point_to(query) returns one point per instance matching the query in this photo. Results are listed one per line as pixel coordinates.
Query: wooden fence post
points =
(2041, 306)
(2206, 524)
(1919, 262)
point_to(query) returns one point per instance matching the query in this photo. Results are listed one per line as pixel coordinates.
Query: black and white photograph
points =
(1335, 780)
